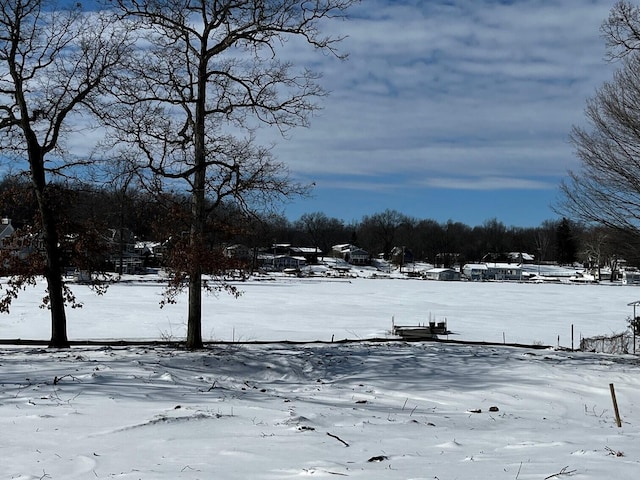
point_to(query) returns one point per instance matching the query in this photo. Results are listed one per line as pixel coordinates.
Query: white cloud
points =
(482, 90)
(488, 183)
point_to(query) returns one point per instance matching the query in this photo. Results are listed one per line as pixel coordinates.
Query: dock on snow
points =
(427, 331)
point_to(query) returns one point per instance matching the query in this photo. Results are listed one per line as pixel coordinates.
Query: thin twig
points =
(57, 379)
(564, 471)
(614, 452)
(338, 438)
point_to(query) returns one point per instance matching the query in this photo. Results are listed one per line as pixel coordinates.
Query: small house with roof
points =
(286, 262)
(351, 254)
(504, 271)
(442, 274)
(6, 229)
(237, 251)
(476, 271)
(310, 254)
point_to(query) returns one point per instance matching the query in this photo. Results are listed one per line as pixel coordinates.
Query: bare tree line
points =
(164, 218)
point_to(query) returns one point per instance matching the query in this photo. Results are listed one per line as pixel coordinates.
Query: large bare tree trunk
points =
(194, 321)
(198, 210)
(56, 298)
(53, 268)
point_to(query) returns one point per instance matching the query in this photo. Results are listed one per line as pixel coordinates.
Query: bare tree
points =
(493, 232)
(606, 188)
(382, 229)
(322, 231)
(596, 250)
(621, 30)
(51, 62)
(544, 240)
(211, 73)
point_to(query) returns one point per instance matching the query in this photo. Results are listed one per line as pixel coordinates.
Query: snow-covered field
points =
(368, 410)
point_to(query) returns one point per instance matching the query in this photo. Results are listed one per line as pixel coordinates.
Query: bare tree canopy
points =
(51, 63)
(209, 73)
(621, 30)
(606, 189)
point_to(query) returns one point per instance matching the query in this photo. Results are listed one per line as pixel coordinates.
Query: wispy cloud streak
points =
(477, 90)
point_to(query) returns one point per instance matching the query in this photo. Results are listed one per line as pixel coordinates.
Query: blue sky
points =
(450, 109)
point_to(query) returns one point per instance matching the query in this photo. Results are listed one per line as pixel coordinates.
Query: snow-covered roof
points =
(510, 266)
(526, 257)
(149, 245)
(307, 250)
(475, 266)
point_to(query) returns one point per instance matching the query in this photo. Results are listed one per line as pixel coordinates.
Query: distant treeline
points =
(160, 217)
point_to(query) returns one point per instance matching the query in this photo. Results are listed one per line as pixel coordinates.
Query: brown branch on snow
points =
(564, 471)
(338, 438)
(57, 379)
(615, 453)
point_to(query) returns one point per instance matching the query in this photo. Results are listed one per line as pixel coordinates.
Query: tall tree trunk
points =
(55, 287)
(53, 268)
(194, 322)
(198, 211)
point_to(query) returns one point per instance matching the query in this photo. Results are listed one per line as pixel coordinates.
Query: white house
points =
(475, 271)
(443, 274)
(504, 271)
(492, 271)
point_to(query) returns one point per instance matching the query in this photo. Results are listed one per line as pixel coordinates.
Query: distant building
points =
(475, 271)
(121, 255)
(310, 254)
(237, 252)
(630, 277)
(492, 271)
(442, 274)
(279, 263)
(6, 229)
(504, 271)
(401, 255)
(151, 253)
(351, 254)
(284, 262)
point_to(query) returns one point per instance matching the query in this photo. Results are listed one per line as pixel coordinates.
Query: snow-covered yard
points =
(367, 410)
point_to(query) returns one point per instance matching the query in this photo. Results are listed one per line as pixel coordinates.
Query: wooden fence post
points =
(615, 405)
(572, 337)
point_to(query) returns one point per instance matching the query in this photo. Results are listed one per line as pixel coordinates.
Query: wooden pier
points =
(427, 331)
